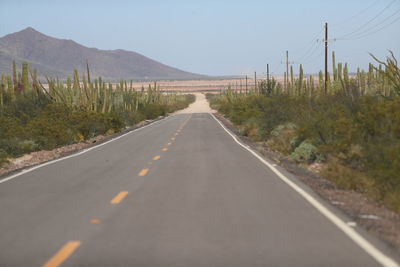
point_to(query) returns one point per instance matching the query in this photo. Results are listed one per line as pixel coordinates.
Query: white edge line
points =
(24, 171)
(350, 232)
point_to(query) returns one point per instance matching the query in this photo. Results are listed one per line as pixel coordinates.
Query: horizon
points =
(217, 43)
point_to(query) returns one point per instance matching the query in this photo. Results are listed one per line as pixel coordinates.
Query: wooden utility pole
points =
(268, 73)
(326, 59)
(240, 81)
(246, 84)
(255, 82)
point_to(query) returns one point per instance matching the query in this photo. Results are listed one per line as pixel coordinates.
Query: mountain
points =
(59, 57)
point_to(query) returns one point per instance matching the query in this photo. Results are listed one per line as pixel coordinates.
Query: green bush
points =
(152, 111)
(305, 152)
(3, 157)
(362, 134)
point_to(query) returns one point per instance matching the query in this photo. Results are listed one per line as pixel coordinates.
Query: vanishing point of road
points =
(179, 192)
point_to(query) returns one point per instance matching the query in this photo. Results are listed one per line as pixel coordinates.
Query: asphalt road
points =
(180, 192)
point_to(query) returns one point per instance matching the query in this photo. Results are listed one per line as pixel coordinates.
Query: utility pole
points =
(240, 81)
(286, 78)
(255, 82)
(246, 84)
(267, 73)
(326, 59)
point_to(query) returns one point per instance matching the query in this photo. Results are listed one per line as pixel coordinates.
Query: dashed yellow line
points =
(173, 138)
(156, 158)
(95, 221)
(117, 199)
(143, 172)
(63, 254)
(169, 144)
(164, 149)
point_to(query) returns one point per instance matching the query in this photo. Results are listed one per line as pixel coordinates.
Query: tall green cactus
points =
(346, 76)
(321, 81)
(25, 77)
(301, 77)
(291, 77)
(14, 76)
(339, 71)
(335, 74)
(2, 93)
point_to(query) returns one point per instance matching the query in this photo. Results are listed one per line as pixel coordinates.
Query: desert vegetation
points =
(34, 116)
(352, 128)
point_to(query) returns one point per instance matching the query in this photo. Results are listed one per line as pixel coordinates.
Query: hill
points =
(59, 57)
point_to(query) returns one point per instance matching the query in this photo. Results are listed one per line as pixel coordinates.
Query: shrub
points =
(347, 178)
(152, 111)
(359, 135)
(305, 152)
(3, 157)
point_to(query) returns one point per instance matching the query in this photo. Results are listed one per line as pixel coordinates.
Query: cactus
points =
(346, 76)
(14, 75)
(321, 80)
(301, 77)
(2, 93)
(335, 74)
(291, 79)
(25, 77)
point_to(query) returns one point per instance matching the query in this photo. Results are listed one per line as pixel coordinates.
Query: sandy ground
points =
(201, 105)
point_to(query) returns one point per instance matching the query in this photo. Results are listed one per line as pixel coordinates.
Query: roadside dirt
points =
(365, 212)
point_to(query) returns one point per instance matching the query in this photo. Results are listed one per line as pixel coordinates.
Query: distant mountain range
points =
(58, 58)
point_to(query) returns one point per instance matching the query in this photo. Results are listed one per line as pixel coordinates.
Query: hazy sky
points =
(218, 37)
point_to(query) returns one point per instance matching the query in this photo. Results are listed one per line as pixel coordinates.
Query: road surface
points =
(179, 192)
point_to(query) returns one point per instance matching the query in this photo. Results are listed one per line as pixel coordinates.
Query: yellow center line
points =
(168, 144)
(156, 158)
(173, 138)
(63, 254)
(117, 199)
(164, 149)
(143, 172)
(95, 221)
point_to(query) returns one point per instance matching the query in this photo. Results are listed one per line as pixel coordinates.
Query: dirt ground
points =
(202, 85)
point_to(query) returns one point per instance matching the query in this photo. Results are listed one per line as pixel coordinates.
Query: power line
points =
(372, 28)
(310, 51)
(357, 14)
(356, 31)
(312, 59)
(383, 27)
(309, 43)
(307, 59)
